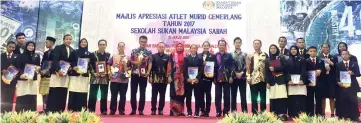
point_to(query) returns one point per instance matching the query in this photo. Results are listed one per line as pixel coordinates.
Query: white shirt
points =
(7, 54)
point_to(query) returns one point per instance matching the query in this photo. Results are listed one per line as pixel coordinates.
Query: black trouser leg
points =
(243, 93)
(189, 90)
(162, 90)
(310, 105)
(104, 97)
(234, 90)
(254, 95)
(123, 92)
(114, 90)
(77, 101)
(208, 89)
(201, 100)
(133, 91)
(226, 97)
(218, 99)
(71, 101)
(93, 91)
(142, 88)
(262, 93)
(7, 96)
(319, 103)
(197, 95)
(155, 90)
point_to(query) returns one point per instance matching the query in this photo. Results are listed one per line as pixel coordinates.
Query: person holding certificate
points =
(256, 76)
(118, 67)
(177, 87)
(79, 77)
(27, 85)
(223, 79)
(207, 78)
(297, 91)
(238, 69)
(330, 78)
(277, 76)
(139, 59)
(45, 70)
(346, 97)
(8, 89)
(59, 79)
(160, 69)
(191, 70)
(99, 78)
(315, 83)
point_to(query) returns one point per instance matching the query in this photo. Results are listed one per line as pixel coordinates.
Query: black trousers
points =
(158, 88)
(241, 85)
(312, 94)
(25, 103)
(259, 88)
(205, 88)
(222, 88)
(93, 92)
(77, 101)
(195, 89)
(278, 106)
(134, 82)
(296, 105)
(7, 96)
(57, 99)
(115, 89)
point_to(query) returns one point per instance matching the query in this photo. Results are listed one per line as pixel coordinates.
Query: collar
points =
(160, 54)
(193, 55)
(313, 58)
(326, 54)
(7, 54)
(240, 52)
(258, 53)
(348, 61)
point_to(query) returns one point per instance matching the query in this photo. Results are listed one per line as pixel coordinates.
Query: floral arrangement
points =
(264, 117)
(304, 118)
(64, 117)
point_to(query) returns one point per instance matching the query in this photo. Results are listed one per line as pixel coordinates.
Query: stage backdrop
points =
(188, 21)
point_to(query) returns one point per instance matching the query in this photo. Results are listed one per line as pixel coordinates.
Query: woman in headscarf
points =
(297, 90)
(277, 79)
(177, 90)
(27, 85)
(79, 77)
(342, 46)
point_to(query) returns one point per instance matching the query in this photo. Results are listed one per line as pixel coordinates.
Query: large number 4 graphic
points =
(347, 14)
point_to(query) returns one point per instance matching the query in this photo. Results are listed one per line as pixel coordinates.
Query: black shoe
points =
(332, 115)
(225, 114)
(196, 115)
(160, 112)
(153, 113)
(112, 113)
(141, 113)
(206, 115)
(104, 113)
(132, 113)
(121, 113)
(189, 114)
(218, 114)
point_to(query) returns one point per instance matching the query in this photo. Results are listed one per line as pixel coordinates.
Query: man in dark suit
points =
(301, 45)
(314, 88)
(282, 42)
(7, 89)
(20, 40)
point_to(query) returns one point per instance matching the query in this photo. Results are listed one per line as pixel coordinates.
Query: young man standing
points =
(20, 43)
(282, 42)
(301, 45)
(139, 59)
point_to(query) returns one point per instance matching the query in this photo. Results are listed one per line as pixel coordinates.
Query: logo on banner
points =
(220, 4)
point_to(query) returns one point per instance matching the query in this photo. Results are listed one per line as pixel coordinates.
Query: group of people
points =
(297, 78)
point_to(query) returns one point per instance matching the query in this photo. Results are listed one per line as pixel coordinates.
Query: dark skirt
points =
(329, 85)
(57, 99)
(278, 106)
(26, 103)
(77, 101)
(177, 104)
(296, 105)
(347, 103)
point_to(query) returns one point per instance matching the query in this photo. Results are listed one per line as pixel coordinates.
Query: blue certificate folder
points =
(312, 76)
(12, 72)
(45, 67)
(192, 72)
(29, 71)
(345, 78)
(83, 65)
(64, 66)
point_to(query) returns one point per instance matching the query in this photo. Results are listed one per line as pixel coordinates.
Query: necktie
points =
(282, 51)
(313, 62)
(346, 65)
(326, 57)
(301, 53)
(9, 56)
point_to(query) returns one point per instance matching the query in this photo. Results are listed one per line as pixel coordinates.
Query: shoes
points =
(104, 113)
(121, 113)
(225, 114)
(153, 113)
(189, 114)
(332, 115)
(141, 113)
(132, 113)
(196, 115)
(206, 115)
(160, 112)
(112, 113)
(218, 114)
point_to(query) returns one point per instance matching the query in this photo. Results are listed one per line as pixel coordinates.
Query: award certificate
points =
(295, 78)
(64, 67)
(209, 69)
(192, 72)
(45, 67)
(345, 78)
(100, 67)
(29, 71)
(312, 76)
(83, 65)
(12, 72)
